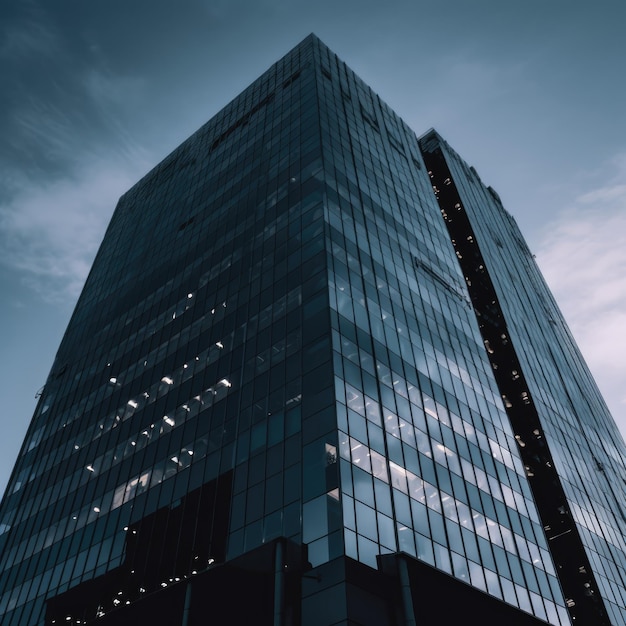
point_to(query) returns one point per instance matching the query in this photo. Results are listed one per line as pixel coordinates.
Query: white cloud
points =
(50, 232)
(29, 35)
(583, 258)
(46, 125)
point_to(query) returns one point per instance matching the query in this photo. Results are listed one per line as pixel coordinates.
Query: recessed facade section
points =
(314, 358)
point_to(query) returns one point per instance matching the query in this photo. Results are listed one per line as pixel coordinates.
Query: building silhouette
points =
(315, 377)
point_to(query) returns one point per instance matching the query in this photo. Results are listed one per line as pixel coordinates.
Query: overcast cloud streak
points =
(94, 94)
(583, 258)
(50, 233)
(67, 152)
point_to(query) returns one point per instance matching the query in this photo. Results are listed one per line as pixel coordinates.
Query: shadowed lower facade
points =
(315, 377)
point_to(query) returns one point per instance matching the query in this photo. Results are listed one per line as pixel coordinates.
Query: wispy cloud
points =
(66, 155)
(46, 125)
(27, 34)
(50, 232)
(583, 257)
(61, 100)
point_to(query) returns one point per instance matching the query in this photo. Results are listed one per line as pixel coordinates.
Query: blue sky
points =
(96, 93)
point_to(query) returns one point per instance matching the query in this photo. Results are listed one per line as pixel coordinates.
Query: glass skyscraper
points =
(315, 377)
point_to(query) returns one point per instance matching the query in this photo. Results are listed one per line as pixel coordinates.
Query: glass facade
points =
(568, 440)
(279, 338)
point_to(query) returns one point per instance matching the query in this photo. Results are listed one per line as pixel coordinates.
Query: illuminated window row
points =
(88, 513)
(184, 412)
(115, 379)
(261, 320)
(137, 403)
(162, 470)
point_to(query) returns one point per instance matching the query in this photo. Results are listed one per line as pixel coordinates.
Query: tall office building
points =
(315, 377)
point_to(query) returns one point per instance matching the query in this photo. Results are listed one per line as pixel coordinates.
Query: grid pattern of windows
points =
(584, 443)
(177, 391)
(277, 340)
(428, 461)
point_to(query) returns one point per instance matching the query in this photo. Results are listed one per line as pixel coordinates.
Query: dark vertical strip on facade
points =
(573, 568)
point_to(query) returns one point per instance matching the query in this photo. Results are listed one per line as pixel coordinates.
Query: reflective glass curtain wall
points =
(428, 462)
(567, 437)
(173, 409)
(278, 338)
